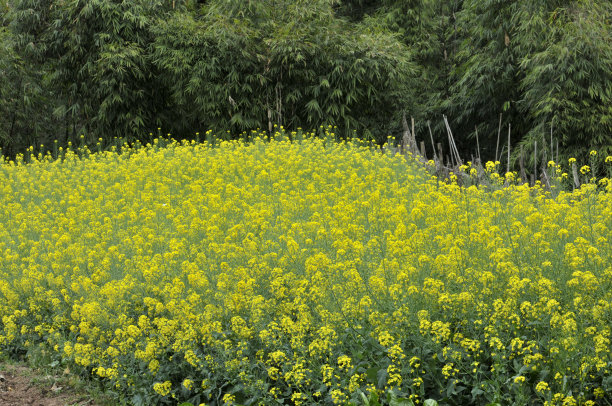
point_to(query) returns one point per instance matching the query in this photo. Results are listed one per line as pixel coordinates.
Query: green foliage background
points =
(115, 69)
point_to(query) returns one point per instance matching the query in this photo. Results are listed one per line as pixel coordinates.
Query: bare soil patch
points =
(20, 385)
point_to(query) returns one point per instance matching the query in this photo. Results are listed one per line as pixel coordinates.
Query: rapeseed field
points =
(303, 273)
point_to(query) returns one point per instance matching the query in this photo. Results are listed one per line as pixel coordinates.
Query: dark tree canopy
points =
(121, 69)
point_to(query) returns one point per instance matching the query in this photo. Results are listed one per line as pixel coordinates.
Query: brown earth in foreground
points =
(22, 386)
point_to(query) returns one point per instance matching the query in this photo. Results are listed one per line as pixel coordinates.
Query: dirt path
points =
(22, 386)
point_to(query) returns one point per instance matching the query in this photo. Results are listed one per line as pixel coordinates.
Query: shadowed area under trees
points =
(119, 70)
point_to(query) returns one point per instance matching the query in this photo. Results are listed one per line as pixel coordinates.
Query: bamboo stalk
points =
(269, 121)
(544, 154)
(546, 179)
(551, 140)
(508, 148)
(477, 144)
(535, 159)
(414, 143)
(498, 136)
(522, 164)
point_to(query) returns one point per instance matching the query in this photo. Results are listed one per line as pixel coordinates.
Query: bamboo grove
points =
(107, 68)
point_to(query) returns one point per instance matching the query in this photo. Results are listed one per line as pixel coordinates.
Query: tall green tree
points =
(25, 107)
(567, 87)
(429, 29)
(110, 68)
(539, 64)
(243, 65)
(96, 62)
(103, 66)
(486, 75)
(357, 10)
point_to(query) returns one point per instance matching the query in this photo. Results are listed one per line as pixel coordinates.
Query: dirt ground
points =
(22, 386)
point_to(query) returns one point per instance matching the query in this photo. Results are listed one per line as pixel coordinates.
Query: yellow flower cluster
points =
(279, 269)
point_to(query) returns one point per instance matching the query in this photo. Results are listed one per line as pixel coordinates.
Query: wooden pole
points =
(433, 146)
(575, 175)
(450, 144)
(406, 137)
(451, 139)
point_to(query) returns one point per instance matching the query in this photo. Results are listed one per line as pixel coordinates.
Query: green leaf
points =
(395, 401)
(364, 399)
(382, 375)
(313, 106)
(372, 374)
